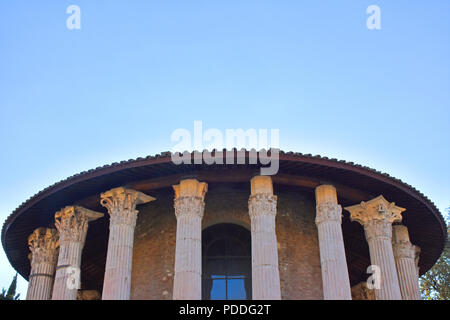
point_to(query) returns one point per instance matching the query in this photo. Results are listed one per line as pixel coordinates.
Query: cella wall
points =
(298, 248)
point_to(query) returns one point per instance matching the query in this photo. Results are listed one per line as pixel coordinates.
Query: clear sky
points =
(71, 100)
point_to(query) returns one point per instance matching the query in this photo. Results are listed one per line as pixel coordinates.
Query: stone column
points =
(121, 204)
(405, 260)
(43, 244)
(189, 208)
(72, 224)
(263, 209)
(377, 216)
(335, 279)
(416, 261)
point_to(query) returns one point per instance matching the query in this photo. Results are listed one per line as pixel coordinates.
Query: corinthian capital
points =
(43, 244)
(72, 222)
(403, 248)
(377, 209)
(262, 201)
(189, 206)
(260, 204)
(189, 197)
(328, 211)
(327, 207)
(121, 204)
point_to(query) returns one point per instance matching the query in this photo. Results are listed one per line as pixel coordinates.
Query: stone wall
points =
(298, 247)
(154, 249)
(298, 250)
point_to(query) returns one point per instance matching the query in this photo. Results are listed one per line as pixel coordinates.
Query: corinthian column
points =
(189, 207)
(121, 204)
(43, 244)
(377, 216)
(405, 260)
(72, 224)
(263, 209)
(335, 279)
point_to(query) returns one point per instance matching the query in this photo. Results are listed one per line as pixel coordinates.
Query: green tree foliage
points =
(11, 293)
(435, 284)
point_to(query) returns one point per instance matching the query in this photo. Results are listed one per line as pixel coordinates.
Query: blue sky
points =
(71, 100)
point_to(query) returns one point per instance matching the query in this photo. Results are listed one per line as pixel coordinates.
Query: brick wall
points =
(154, 248)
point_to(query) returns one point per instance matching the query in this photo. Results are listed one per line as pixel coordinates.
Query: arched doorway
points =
(226, 263)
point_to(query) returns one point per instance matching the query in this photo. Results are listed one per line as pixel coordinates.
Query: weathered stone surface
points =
(121, 204)
(377, 216)
(262, 210)
(189, 207)
(43, 244)
(72, 224)
(298, 248)
(88, 295)
(405, 259)
(335, 278)
(362, 292)
(154, 250)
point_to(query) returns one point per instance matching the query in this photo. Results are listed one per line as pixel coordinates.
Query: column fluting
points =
(43, 244)
(405, 259)
(335, 278)
(189, 208)
(121, 204)
(377, 216)
(72, 224)
(262, 210)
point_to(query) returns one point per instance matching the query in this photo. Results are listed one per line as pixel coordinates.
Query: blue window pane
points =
(236, 289)
(218, 289)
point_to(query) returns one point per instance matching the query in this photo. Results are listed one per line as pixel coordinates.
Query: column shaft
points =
(405, 260)
(336, 283)
(379, 235)
(40, 284)
(262, 210)
(67, 278)
(119, 259)
(409, 285)
(188, 252)
(43, 245)
(335, 278)
(121, 204)
(72, 224)
(265, 273)
(189, 209)
(377, 216)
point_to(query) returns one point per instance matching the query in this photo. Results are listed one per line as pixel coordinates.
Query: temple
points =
(150, 229)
